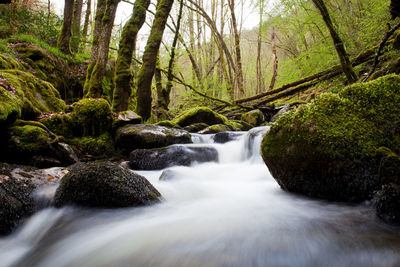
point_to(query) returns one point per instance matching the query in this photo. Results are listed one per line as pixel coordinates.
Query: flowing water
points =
(226, 213)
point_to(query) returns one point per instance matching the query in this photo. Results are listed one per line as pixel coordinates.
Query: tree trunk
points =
(96, 79)
(76, 26)
(260, 83)
(127, 45)
(275, 60)
(87, 19)
(65, 36)
(100, 8)
(163, 97)
(239, 70)
(146, 72)
(339, 46)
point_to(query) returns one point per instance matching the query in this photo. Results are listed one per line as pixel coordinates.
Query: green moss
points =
(62, 124)
(200, 114)
(236, 125)
(29, 139)
(254, 117)
(93, 115)
(169, 124)
(34, 95)
(10, 105)
(101, 146)
(7, 62)
(352, 124)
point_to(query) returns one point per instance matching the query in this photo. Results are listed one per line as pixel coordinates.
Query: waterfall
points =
(225, 213)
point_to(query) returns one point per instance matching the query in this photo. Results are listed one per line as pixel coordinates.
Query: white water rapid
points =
(226, 213)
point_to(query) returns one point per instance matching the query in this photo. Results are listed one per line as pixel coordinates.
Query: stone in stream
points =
(157, 159)
(200, 115)
(196, 127)
(217, 128)
(224, 137)
(132, 137)
(104, 185)
(329, 148)
(254, 118)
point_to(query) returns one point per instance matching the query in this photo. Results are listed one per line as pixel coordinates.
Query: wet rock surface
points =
(104, 185)
(132, 137)
(157, 159)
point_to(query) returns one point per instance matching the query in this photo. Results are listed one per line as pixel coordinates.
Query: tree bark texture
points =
(146, 72)
(337, 41)
(65, 36)
(275, 60)
(87, 19)
(96, 79)
(76, 26)
(127, 44)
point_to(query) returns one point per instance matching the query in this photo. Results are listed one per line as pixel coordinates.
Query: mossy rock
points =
(93, 115)
(217, 128)
(7, 62)
(196, 127)
(328, 148)
(200, 114)
(254, 117)
(29, 139)
(90, 148)
(62, 124)
(26, 96)
(104, 185)
(240, 125)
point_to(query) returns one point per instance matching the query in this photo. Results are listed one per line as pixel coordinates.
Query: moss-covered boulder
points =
(131, 137)
(217, 128)
(328, 148)
(94, 148)
(62, 124)
(254, 117)
(93, 115)
(104, 185)
(240, 125)
(168, 124)
(23, 95)
(200, 114)
(32, 143)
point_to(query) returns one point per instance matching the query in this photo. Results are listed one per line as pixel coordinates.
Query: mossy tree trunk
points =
(146, 72)
(65, 36)
(87, 21)
(100, 8)
(96, 80)
(163, 96)
(76, 26)
(337, 41)
(127, 45)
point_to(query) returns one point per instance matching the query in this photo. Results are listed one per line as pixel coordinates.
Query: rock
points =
(282, 110)
(388, 203)
(168, 124)
(157, 159)
(328, 148)
(254, 117)
(200, 114)
(15, 198)
(94, 148)
(217, 128)
(167, 175)
(104, 185)
(127, 117)
(22, 95)
(195, 127)
(132, 137)
(93, 116)
(224, 137)
(240, 125)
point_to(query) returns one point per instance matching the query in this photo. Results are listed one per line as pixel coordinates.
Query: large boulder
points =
(157, 159)
(328, 148)
(200, 114)
(132, 137)
(104, 185)
(254, 117)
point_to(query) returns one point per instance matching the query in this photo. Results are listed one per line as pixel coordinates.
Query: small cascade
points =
(229, 212)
